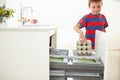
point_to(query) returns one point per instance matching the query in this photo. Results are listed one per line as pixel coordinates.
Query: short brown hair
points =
(93, 1)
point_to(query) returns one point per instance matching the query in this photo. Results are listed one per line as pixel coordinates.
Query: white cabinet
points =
(112, 71)
(24, 53)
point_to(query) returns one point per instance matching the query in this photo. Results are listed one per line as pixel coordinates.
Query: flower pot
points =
(2, 22)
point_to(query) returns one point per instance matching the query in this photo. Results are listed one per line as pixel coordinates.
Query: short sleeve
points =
(106, 23)
(82, 22)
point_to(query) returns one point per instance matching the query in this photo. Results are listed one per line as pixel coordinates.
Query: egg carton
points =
(83, 48)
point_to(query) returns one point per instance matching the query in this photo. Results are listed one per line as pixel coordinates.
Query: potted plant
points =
(5, 13)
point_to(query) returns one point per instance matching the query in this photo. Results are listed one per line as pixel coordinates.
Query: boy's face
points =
(95, 7)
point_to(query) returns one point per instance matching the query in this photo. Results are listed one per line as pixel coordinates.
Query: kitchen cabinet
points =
(24, 52)
(112, 71)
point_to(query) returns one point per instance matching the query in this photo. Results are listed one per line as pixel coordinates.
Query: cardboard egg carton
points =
(84, 48)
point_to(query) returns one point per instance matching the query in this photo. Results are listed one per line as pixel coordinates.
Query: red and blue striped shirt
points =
(92, 23)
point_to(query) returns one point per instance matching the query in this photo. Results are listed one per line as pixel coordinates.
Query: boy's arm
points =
(80, 32)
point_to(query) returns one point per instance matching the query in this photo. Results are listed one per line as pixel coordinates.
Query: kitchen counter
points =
(24, 52)
(29, 27)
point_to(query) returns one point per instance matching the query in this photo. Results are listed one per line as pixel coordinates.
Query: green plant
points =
(5, 13)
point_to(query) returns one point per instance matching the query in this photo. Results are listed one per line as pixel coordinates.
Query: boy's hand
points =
(81, 34)
(82, 38)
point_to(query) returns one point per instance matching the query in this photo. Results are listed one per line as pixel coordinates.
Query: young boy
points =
(92, 22)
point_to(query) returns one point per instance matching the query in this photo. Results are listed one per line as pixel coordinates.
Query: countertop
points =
(29, 27)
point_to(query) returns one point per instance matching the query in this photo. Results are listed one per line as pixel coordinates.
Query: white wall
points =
(66, 13)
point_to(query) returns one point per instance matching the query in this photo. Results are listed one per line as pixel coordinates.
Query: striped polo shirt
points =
(92, 23)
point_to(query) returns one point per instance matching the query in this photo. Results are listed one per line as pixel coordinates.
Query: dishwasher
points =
(65, 63)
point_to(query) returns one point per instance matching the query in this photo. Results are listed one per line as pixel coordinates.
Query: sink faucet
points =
(22, 13)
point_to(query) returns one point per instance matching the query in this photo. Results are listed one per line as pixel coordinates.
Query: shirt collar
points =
(94, 14)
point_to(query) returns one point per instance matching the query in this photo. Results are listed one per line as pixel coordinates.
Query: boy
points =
(92, 22)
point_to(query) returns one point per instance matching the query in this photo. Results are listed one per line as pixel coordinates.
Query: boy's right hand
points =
(82, 38)
(81, 34)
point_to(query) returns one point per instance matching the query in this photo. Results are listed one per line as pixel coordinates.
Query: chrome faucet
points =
(22, 13)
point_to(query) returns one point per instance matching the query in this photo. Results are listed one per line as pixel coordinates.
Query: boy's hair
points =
(89, 2)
